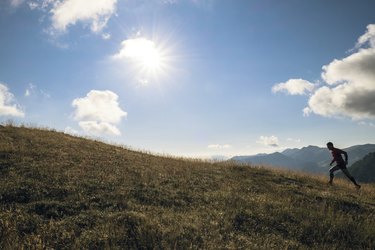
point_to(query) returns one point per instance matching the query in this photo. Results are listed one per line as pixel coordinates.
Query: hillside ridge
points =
(66, 192)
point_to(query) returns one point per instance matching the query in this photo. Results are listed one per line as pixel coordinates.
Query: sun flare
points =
(151, 59)
(148, 60)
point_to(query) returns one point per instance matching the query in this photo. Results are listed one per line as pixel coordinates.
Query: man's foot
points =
(330, 183)
(358, 186)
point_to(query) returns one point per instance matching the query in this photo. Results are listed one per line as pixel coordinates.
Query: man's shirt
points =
(336, 154)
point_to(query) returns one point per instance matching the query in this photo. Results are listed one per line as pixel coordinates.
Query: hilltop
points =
(65, 192)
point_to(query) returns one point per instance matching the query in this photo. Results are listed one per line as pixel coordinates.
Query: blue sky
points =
(192, 77)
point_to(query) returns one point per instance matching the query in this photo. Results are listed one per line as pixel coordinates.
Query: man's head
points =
(330, 145)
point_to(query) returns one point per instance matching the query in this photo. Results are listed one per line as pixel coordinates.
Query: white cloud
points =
(98, 106)
(95, 127)
(27, 92)
(136, 48)
(294, 87)
(69, 12)
(98, 112)
(33, 90)
(33, 5)
(106, 36)
(349, 89)
(7, 105)
(306, 111)
(368, 37)
(272, 141)
(42, 5)
(30, 89)
(70, 131)
(219, 146)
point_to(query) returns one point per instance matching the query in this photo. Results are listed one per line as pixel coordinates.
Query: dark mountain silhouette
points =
(290, 151)
(310, 154)
(310, 159)
(364, 169)
(357, 153)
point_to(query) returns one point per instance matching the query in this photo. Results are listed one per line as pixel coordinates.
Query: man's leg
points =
(346, 172)
(331, 173)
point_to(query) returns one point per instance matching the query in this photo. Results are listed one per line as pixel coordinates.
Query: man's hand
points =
(346, 163)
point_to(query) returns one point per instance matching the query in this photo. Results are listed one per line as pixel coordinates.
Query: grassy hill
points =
(64, 192)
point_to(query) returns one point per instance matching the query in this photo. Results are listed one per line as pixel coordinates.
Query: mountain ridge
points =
(312, 159)
(364, 169)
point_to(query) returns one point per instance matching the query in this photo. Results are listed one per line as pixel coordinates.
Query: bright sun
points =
(149, 60)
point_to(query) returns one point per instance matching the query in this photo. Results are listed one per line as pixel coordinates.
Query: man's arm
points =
(333, 160)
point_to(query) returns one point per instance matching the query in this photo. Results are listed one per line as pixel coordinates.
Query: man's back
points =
(337, 155)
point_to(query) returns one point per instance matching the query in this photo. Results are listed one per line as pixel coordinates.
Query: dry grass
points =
(64, 192)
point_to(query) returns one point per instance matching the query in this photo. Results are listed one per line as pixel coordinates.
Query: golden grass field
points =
(58, 191)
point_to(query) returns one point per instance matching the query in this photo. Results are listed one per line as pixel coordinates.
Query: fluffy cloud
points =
(294, 87)
(98, 112)
(7, 106)
(98, 106)
(96, 13)
(368, 37)
(43, 5)
(70, 131)
(219, 146)
(349, 89)
(65, 13)
(271, 141)
(95, 127)
(138, 48)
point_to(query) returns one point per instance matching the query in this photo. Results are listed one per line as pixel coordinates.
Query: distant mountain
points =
(310, 154)
(364, 170)
(290, 151)
(311, 159)
(274, 159)
(357, 153)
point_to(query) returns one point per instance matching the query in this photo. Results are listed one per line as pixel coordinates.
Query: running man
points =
(340, 164)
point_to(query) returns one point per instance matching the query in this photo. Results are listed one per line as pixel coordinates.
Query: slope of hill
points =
(364, 170)
(64, 192)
